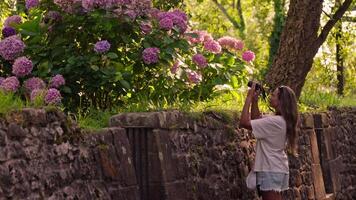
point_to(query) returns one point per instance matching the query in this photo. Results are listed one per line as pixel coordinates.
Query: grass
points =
(10, 102)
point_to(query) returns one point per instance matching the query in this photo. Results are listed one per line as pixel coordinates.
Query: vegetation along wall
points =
(166, 155)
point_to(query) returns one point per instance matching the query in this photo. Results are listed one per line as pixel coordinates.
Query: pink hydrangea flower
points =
(228, 42)
(150, 55)
(11, 47)
(248, 56)
(53, 96)
(200, 60)
(200, 36)
(22, 67)
(12, 20)
(33, 84)
(57, 81)
(212, 46)
(10, 84)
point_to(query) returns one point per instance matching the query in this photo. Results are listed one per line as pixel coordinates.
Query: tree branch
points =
(331, 23)
(224, 11)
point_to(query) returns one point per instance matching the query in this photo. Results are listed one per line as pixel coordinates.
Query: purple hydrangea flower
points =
(11, 47)
(53, 96)
(8, 31)
(31, 3)
(37, 93)
(248, 56)
(56, 81)
(102, 46)
(166, 23)
(15, 19)
(150, 55)
(33, 84)
(10, 84)
(200, 60)
(1, 79)
(212, 46)
(22, 67)
(178, 17)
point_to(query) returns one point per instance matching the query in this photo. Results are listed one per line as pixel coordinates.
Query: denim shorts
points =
(275, 181)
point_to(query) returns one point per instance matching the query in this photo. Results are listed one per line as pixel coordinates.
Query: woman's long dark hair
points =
(289, 110)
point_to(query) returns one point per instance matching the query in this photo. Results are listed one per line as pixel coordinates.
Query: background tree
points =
(300, 42)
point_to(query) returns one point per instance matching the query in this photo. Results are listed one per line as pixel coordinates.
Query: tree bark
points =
(300, 42)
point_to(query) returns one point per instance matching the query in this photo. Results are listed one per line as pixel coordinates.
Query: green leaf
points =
(125, 84)
(66, 89)
(112, 55)
(94, 67)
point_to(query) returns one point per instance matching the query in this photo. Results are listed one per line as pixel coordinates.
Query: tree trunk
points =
(279, 19)
(339, 56)
(300, 42)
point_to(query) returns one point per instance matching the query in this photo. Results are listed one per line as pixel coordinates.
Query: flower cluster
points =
(228, 42)
(1, 79)
(34, 83)
(8, 31)
(57, 81)
(130, 8)
(248, 56)
(175, 18)
(31, 4)
(199, 37)
(200, 60)
(11, 47)
(212, 46)
(10, 84)
(12, 20)
(53, 96)
(150, 55)
(22, 67)
(102, 46)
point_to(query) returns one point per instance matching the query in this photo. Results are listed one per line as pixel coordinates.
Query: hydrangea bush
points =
(103, 53)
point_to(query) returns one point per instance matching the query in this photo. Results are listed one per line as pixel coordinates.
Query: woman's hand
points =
(253, 93)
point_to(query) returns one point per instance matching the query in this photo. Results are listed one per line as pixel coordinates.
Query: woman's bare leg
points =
(271, 195)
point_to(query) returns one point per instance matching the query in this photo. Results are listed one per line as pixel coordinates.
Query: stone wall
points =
(166, 155)
(44, 156)
(207, 157)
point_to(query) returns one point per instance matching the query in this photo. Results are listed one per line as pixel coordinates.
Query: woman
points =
(273, 133)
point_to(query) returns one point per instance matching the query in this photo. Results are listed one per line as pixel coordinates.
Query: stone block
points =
(314, 146)
(307, 121)
(330, 151)
(336, 166)
(318, 181)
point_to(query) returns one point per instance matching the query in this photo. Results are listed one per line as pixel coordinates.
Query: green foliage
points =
(66, 46)
(9, 102)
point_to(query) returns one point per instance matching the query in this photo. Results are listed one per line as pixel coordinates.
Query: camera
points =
(258, 87)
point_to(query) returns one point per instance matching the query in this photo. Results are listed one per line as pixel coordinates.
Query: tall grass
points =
(9, 102)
